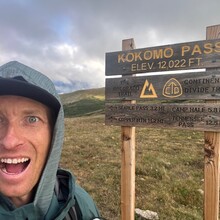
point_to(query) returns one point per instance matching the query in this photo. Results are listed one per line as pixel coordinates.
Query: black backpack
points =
(74, 212)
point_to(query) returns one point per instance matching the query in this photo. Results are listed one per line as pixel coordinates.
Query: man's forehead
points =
(22, 103)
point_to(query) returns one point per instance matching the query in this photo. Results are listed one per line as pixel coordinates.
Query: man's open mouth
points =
(14, 165)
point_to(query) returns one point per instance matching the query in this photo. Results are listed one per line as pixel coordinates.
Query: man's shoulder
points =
(85, 202)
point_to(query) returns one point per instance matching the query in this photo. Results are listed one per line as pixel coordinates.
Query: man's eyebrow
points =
(34, 111)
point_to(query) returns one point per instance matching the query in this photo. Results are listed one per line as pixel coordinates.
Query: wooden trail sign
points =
(176, 116)
(191, 55)
(184, 86)
(194, 116)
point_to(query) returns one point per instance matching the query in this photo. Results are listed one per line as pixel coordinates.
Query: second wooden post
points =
(128, 161)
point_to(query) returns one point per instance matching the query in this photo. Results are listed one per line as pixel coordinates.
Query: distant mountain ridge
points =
(83, 102)
(63, 87)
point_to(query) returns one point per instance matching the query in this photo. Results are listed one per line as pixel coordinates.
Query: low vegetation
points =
(84, 102)
(169, 163)
(84, 107)
(169, 167)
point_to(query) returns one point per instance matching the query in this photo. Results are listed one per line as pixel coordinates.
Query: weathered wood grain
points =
(128, 160)
(211, 159)
(189, 55)
(184, 86)
(201, 117)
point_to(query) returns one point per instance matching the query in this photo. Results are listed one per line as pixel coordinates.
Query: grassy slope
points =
(169, 169)
(83, 102)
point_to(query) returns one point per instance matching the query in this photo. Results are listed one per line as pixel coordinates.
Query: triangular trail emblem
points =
(148, 91)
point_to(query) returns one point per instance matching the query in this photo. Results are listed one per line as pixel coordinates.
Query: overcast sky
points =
(67, 39)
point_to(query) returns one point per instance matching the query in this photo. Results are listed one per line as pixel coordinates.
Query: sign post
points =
(127, 160)
(212, 160)
(203, 86)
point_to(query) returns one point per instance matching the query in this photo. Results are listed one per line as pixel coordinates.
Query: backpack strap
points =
(71, 215)
(74, 212)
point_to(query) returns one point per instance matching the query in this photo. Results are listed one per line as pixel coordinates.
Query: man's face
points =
(25, 135)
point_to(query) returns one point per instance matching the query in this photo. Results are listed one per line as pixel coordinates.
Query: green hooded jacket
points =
(56, 191)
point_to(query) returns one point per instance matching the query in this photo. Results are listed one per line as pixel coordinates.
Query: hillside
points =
(83, 102)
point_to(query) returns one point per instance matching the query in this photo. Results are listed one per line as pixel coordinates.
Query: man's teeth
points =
(14, 160)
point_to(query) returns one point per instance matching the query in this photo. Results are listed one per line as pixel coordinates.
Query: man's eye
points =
(33, 119)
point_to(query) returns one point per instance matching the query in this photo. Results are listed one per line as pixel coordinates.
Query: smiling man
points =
(31, 137)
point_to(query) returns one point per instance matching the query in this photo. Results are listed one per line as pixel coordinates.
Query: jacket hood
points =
(21, 80)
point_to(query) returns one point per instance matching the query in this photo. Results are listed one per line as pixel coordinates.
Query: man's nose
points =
(10, 136)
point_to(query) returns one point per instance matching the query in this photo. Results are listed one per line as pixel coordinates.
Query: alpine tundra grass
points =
(169, 167)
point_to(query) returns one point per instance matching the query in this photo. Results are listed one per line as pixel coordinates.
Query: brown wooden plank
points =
(184, 86)
(211, 159)
(128, 160)
(201, 117)
(189, 55)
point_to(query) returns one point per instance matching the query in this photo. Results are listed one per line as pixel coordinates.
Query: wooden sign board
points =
(184, 86)
(192, 55)
(201, 117)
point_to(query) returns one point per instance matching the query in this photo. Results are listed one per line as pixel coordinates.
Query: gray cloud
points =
(68, 39)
